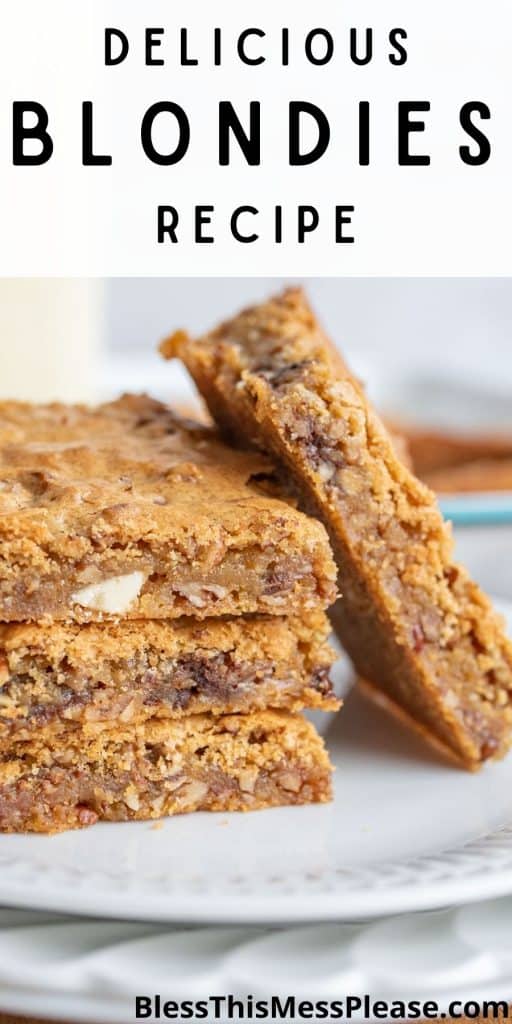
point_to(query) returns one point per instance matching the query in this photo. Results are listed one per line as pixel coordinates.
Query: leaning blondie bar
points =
(128, 671)
(57, 781)
(126, 510)
(419, 631)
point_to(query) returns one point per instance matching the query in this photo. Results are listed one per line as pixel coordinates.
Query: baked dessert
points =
(53, 782)
(126, 510)
(481, 475)
(128, 671)
(418, 630)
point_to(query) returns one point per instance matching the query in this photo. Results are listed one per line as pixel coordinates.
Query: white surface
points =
(446, 218)
(92, 971)
(405, 832)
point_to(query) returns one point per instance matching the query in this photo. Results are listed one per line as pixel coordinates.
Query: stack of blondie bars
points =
(163, 622)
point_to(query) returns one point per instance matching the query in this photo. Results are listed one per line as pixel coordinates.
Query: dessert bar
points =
(481, 475)
(126, 510)
(54, 782)
(128, 671)
(417, 628)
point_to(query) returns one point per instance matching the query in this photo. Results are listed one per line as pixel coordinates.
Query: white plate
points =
(405, 832)
(91, 971)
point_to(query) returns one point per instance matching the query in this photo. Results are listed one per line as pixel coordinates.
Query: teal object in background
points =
(477, 509)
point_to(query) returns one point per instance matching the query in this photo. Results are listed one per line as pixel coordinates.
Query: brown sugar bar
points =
(129, 671)
(57, 781)
(417, 628)
(126, 510)
(433, 450)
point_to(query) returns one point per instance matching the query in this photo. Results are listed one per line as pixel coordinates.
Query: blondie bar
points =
(126, 510)
(433, 450)
(54, 782)
(419, 631)
(128, 671)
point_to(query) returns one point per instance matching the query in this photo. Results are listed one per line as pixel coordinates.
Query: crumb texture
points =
(416, 626)
(127, 672)
(200, 763)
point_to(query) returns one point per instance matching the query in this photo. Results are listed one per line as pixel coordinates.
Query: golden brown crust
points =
(202, 762)
(413, 622)
(129, 492)
(129, 671)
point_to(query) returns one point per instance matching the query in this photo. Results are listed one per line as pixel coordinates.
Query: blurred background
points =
(434, 353)
(384, 325)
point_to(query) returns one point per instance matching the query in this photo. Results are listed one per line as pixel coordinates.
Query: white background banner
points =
(447, 217)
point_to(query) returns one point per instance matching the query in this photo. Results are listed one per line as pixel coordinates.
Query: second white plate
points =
(405, 832)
